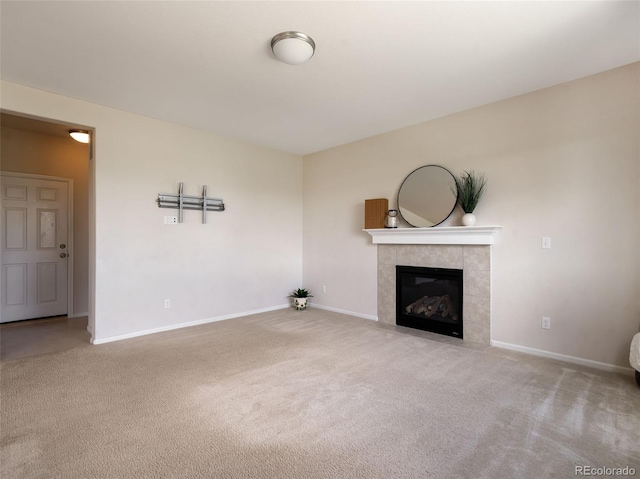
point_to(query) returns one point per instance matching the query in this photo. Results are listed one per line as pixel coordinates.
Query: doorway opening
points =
(41, 164)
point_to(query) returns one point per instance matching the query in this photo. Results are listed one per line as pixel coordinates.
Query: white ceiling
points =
(378, 66)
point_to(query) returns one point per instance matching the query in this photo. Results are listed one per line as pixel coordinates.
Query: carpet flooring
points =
(310, 394)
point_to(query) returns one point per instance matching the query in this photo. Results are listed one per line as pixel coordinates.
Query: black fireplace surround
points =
(429, 299)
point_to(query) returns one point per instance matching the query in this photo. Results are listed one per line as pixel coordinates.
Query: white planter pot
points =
(300, 303)
(469, 219)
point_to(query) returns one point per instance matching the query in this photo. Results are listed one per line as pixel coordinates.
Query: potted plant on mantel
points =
(470, 188)
(300, 296)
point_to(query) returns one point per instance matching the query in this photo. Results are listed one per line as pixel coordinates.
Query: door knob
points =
(63, 255)
(63, 246)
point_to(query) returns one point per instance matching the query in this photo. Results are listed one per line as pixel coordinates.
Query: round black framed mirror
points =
(425, 197)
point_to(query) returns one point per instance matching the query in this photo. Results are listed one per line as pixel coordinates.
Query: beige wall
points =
(38, 153)
(561, 162)
(245, 259)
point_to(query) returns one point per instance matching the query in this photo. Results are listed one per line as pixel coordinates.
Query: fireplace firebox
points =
(429, 299)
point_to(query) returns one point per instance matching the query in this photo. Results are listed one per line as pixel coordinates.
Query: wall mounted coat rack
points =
(183, 202)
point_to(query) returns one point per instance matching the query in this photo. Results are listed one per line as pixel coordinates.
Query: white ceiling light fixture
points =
(81, 136)
(293, 48)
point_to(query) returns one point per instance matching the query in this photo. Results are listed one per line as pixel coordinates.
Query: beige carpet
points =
(309, 395)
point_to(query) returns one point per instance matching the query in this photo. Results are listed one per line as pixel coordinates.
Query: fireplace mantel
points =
(457, 235)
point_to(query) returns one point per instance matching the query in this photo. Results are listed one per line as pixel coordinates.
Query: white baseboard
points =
(563, 357)
(343, 311)
(186, 325)
(78, 315)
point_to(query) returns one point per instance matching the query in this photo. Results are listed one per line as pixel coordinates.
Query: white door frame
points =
(70, 227)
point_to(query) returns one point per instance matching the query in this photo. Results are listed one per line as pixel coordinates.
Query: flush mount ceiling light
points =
(293, 47)
(80, 135)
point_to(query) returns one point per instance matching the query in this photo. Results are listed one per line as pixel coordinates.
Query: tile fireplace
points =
(457, 248)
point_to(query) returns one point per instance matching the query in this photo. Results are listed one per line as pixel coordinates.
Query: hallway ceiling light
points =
(293, 47)
(80, 135)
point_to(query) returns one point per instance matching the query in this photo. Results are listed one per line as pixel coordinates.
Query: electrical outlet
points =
(170, 220)
(546, 242)
(546, 323)
(324, 289)
(167, 303)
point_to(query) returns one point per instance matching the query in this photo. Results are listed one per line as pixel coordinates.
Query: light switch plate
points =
(170, 220)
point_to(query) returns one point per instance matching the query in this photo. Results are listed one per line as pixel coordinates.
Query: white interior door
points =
(34, 248)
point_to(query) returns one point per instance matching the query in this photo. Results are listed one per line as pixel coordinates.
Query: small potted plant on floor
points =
(470, 188)
(300, 296)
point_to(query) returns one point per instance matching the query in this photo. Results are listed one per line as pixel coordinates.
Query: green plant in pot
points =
(470, 188)
(300, 296)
